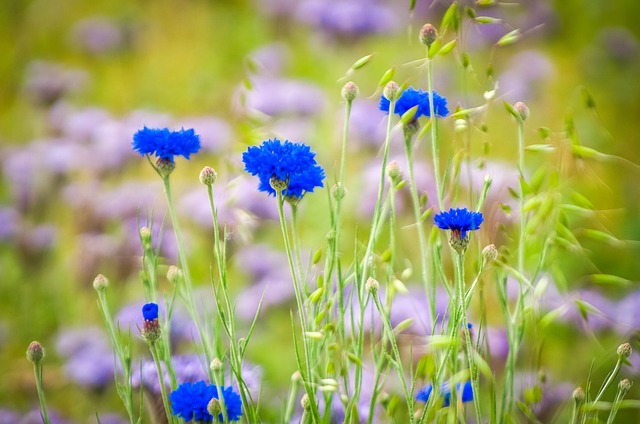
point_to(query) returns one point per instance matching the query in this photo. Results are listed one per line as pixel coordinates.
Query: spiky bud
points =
(296, 376)
(428, 35)
(411, 128)
(216, 365)
(391, 91)
(174, 274)
(578, 395)
(350, 91)
(490, 253)
(522, 110)
(277, 184)
(372, 285)
(100, 283)
(624, 350)
(208, 176)
(35, 352)
(393, 171)
(305, 402)
(624, 385)
(214, 408)
(338, 191)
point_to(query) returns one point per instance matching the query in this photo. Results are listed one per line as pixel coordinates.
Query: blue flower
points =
(412, 97)
(458, 220)
(190, 400)
(289, 162)
(166, 144)
(465, 392)
(150, 311)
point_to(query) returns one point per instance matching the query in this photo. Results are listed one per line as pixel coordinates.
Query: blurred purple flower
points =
(9, 416)
(188, 368)
(215, 134)
(627, 313)
(46, 82)
(108, 418)
(271, 59)
(35, 417)
(89, 360)
(355, 18)
(98, 35)
(9, 221)
(526, 76)
(282, 97)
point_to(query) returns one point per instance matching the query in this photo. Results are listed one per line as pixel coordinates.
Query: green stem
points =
(434, 136)
(307, 376)
(37, 370)
(523, 216)
(430, 288)
(394, 346)
(610, 378)
(187, 275)
(163, 389)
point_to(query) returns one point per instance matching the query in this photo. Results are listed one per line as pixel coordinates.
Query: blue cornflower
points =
(150, 311)
(166, 144)
(465, 392)
(459, 221)
(291, 163)
(190, 400)
(412, 97)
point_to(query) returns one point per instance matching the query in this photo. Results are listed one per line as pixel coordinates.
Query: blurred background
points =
(78, 78)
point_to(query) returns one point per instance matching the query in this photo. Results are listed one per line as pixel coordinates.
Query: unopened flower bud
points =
(165, 167)
(174, 274)
(391, 91)
(216, 365)
(305, 402)
(372, 285)
(490, 253)
(35, 352)
(338, 191)
(393, 171)
(213, 407)
(145, 237)
(100, 282)
(578, 395)
(350, 91)
(208, 176)
(522, 110)
(296, 376)
(624, 350)
(624, 385)
(428, 35)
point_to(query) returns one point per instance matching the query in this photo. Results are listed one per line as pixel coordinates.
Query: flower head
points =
(459, 221)
(464, 391)
(411, 98)
(290, 165)
(150, 311)
(190, 401)
(165, 144)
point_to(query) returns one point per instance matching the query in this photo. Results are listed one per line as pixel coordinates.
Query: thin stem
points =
(421, 235)
(163, 389)
(37, 370)
(434, 136)
(610, 378)
(307, 376)
(523, 215)
(185, 270)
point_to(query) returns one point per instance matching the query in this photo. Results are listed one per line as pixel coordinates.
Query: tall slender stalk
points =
(435, 147)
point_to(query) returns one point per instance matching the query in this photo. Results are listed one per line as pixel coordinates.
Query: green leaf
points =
(512, 111)
(540, 148)
(509, 38)
(388, 75)
(361, 62)
(409, 115)
(446, 49)
(470, 12)
(450, 18)
(608, 279)
(602, 237)
(544, 132)
(434, 49)
(403, 325)
(487, 20)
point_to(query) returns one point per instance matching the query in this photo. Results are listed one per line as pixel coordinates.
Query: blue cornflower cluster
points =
(190, 400)
(150, 311)
(292, 164)
(412, 97)
(464, 391)
(166, 144)
(459, 221)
